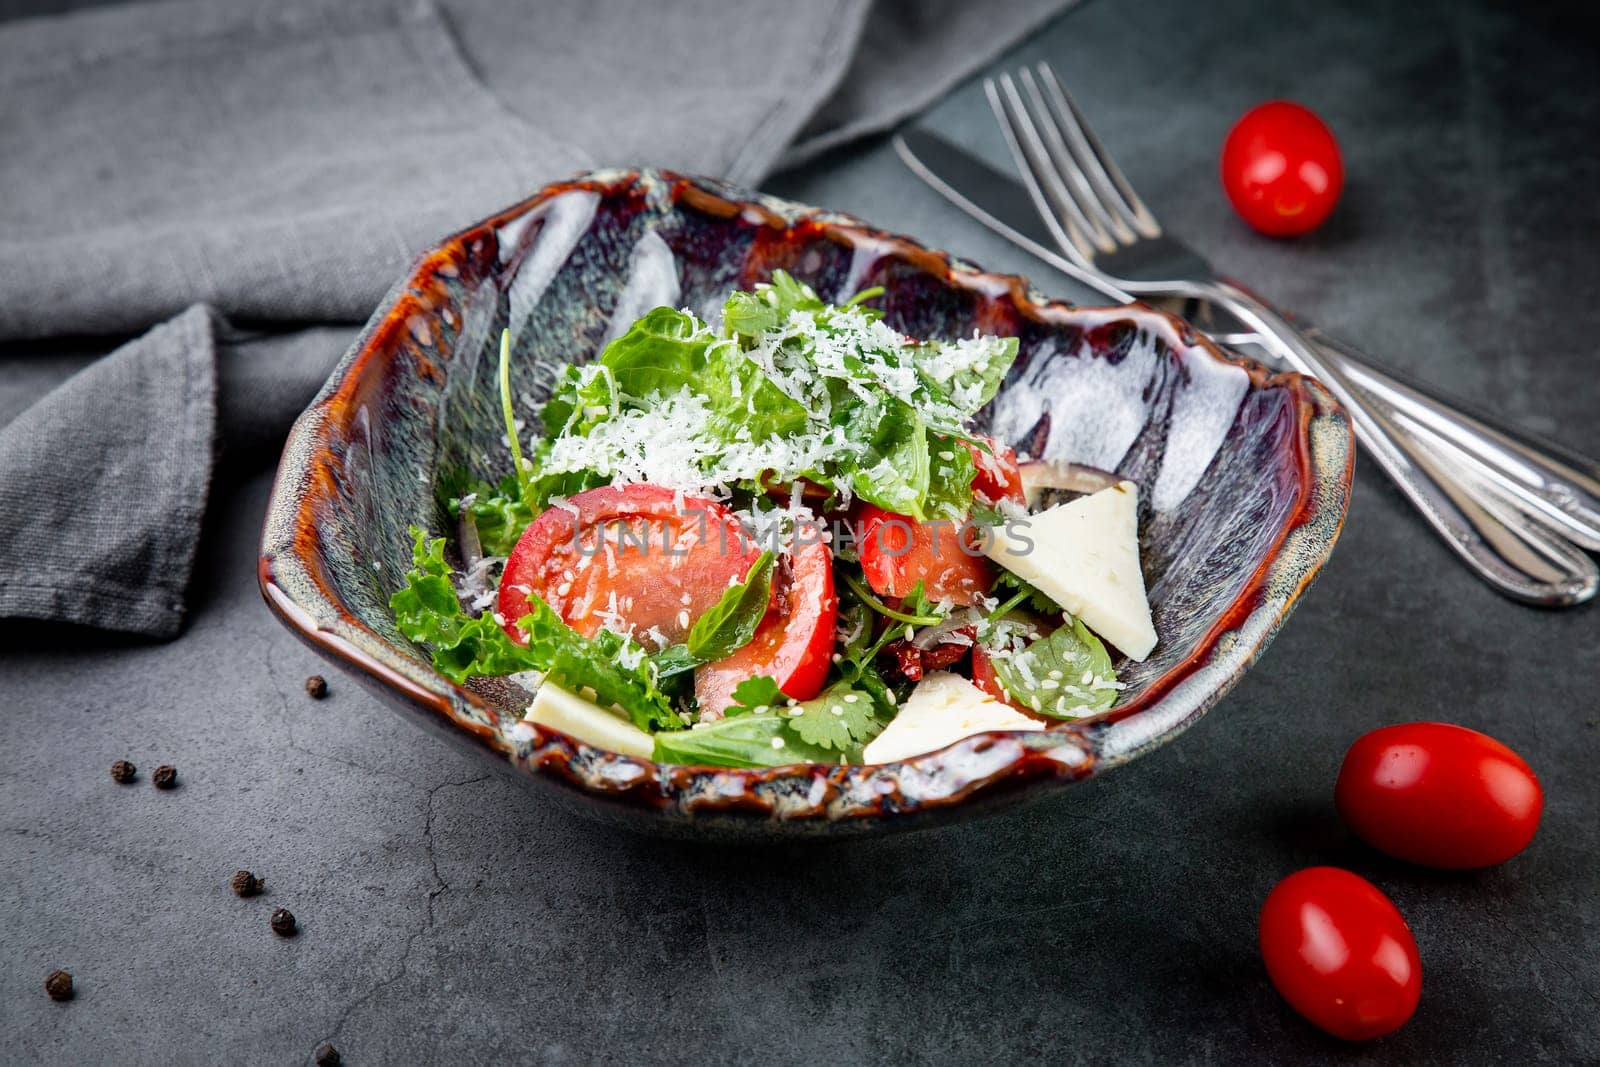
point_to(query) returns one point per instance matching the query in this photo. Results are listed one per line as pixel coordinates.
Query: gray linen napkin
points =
(186, 165)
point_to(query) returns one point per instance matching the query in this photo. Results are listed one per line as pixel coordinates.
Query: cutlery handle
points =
(1549, 483)
(1483, 528)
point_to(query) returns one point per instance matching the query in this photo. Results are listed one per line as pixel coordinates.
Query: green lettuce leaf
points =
(662, 353)
(427, 611)
(581, 398)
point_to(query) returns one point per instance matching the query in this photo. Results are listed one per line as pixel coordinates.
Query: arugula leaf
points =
(428, 611)
(674, 660)
(1066, 676)
(727, 625)
(858, 665)
(1008, 582)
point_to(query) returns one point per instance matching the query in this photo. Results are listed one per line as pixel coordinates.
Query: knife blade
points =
(998, 201)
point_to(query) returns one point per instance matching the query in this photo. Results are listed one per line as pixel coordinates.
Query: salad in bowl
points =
(775, 538)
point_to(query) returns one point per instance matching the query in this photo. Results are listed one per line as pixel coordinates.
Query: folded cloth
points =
(197, 164)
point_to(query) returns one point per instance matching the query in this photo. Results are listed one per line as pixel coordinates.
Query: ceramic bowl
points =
(1244, 477)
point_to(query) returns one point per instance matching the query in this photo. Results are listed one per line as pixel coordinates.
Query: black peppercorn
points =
(246, 884)
(283, 922)
(326, 1056)
(59, 985)
(166, 776)
(316, 687)
(122, 772)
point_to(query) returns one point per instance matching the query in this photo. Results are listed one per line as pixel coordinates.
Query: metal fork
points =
(1491, 521)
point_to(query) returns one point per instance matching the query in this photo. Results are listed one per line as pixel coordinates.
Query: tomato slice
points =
(998, 476)
(642, 557)
(794, 644)
(897, 552)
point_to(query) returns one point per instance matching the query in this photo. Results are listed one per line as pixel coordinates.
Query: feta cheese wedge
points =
(1084, 555)
(941, 710)
(588, 722)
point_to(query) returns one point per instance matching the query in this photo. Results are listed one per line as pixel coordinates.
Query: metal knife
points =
(1552, 485)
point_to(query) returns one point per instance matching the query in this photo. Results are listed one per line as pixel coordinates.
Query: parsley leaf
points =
(840, 718)
(760, 691)
(1066, 676)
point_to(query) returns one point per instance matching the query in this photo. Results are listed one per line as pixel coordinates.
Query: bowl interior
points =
(1243, 474)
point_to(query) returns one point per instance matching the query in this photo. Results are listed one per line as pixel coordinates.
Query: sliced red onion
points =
(1041, 474)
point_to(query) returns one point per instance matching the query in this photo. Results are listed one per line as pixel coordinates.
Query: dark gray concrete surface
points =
(446, 917)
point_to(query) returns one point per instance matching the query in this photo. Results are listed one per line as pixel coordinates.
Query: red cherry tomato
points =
(794, 644)
(897, 552)
(653, 557)
(1281, 169)
(1339, 952)
(997, 476)
(1439, 795)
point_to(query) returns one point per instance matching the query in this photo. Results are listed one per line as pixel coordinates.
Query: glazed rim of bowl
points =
(300, 588)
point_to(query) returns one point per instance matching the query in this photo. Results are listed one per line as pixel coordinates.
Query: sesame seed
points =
(850, 698)
(777, 742)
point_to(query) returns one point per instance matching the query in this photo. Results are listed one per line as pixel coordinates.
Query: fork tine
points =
(1107, 219)
(1103, 170)
(1060, 211)
(1067, 236)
